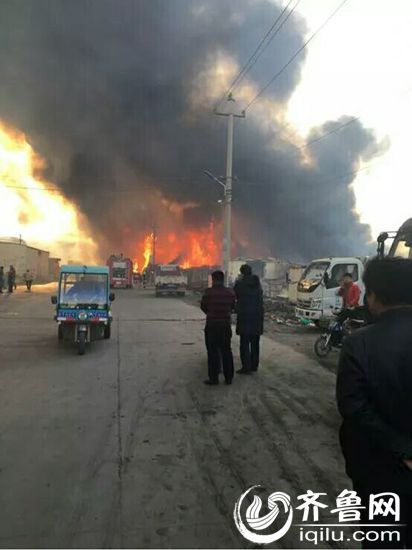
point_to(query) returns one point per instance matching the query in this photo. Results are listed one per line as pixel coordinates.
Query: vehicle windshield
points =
(83, 290)
(119, 273)
(168, 270)
(402, 246)
(315, 271)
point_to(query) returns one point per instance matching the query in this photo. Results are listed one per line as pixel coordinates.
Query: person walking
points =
(28, 279)
(11, 279)
(373, 390)
(1, 279)
(218, 302)
(250, 312)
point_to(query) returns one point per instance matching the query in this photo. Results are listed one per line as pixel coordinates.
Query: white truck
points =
(169, 279)
(317, 289)
(317, 296)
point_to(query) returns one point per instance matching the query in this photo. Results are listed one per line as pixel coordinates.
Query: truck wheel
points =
(322, 345)
(60, 332)
(107, 331)
(82, 343)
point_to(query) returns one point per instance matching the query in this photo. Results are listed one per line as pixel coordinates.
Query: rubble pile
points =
(280, 311)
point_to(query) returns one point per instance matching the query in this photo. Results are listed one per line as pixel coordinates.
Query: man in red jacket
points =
(218, 302)
(350, 292)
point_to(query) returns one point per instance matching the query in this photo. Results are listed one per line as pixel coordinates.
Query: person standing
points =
(350, 294)
(11, 279)
(218, 302)
(250, 313)
(373, 390)
(1, 279)
(28, 279)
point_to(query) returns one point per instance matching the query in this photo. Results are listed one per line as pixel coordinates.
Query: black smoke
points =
(111, 92)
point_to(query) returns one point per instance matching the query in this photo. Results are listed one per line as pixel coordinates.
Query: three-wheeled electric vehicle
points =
(83, 304)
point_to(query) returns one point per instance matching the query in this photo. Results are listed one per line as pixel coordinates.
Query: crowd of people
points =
(8, 280)
(374, 382)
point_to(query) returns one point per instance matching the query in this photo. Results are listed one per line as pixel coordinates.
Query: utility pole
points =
(154, 235)
(227, 229)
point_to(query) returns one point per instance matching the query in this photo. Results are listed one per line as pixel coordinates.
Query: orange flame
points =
(188, 248)
(147, 250)
(36, 209)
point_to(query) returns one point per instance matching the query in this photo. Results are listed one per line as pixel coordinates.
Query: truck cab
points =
(317, 290)
(402, 241)
(121, 271)
(169, 279)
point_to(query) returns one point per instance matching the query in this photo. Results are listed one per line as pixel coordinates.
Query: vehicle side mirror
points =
(112, 297)
(53, 300)
(381, 244)
(326, 279)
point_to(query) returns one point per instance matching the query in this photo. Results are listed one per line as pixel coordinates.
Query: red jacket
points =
(218, 303)
(350, 295)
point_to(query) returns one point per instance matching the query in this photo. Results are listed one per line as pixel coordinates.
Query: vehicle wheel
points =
(322, 346)
(82, 343)
(107, 331)
(60, 332)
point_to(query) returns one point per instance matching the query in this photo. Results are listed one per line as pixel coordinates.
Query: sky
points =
(359, 64)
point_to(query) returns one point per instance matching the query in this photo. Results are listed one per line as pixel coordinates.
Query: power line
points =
(295, 55)
(258, 51)
(324, 179)
(333, 131)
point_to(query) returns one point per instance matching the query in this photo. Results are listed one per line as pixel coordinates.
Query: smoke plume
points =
(118, 96)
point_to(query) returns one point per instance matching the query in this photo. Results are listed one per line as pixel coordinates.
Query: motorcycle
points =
(335, 335)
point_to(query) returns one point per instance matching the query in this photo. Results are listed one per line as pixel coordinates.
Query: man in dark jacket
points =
(218, 303)
(11, 279)
(374, 394)
(249, 308)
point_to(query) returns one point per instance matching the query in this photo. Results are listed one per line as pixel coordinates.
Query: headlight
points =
(82, 316)
(316, 304)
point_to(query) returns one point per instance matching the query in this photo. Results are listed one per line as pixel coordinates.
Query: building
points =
(16, 252)
(54, 268)
(271, 271)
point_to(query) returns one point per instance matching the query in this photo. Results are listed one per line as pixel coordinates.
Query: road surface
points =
(126, 447)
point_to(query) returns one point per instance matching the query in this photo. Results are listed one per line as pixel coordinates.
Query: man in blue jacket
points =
(249, 325)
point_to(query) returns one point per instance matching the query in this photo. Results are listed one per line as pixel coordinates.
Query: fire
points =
(188, 248)
(35, 209)
(147, 250)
